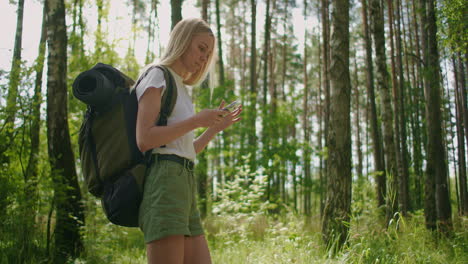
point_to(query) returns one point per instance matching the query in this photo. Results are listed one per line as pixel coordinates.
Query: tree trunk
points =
(416, 99)
(463, 100)
(338, 203)
(305, 122)
(430, 212)
(220, 47)
(176, 12)
(32, 167)
(404, 198)
(376, 133)
(273, 193)
(266, 52)
(205, 4)
(357, 119)
(152, 28)
(462, 192)
(385, 98)
(204, 182)
(69, 209)
(393, 183)
(99, 35)
(14, 80)
(320, 134)
(326, 80)
(253, 90)
(436, 170)
(31, 173)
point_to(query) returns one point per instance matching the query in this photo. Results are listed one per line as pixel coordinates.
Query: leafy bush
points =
(241, 209)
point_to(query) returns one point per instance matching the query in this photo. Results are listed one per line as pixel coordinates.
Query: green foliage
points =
(363, 199)
(23, 221)
(108, 243)
(242, 195)
(291, 239)
(453, 25)
(241, 206)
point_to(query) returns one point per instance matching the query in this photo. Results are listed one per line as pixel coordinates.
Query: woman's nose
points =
(203, 57)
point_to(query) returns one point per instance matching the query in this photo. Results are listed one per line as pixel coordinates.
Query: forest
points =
(351, 148)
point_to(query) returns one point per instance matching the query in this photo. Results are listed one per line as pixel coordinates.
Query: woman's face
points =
(198, 52)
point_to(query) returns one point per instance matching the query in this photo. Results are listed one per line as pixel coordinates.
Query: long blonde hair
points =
(179, 41)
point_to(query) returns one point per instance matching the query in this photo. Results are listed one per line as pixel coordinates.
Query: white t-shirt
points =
(183, 109)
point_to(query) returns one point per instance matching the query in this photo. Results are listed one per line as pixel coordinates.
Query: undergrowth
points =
(240, 230)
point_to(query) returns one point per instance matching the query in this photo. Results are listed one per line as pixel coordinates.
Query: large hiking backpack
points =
(112, 165)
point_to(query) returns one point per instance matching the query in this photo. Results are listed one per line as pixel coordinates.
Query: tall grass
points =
(295, 239)
(241, 230)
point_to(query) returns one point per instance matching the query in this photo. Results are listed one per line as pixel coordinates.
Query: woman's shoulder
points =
(151, 74)
(151, 77)
(152, 71)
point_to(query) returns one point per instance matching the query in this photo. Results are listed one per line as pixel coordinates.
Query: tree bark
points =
(430, 212)
(385, 98)
(416, 99)
(252, 138)
(404, 197)
(220, 47)
(326, 81)
(205, 4)
(462, 93)
(394, 181)
(152, 28)
(338, 203)
(376, 133)
(357, 119)
(30, 206)
(462, 190)
(14, 80)
(176, 12)
(436, 170)
(69, 209)
(306, 127)
(320, 134)
(273, 192)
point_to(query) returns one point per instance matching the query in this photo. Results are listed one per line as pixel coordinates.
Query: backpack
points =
(112, 165)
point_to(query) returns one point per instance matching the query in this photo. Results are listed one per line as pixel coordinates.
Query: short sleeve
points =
(154, 78)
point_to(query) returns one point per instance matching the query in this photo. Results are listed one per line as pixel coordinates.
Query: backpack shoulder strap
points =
(169, 98)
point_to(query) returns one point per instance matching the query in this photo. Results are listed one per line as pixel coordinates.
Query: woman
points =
(169, 217)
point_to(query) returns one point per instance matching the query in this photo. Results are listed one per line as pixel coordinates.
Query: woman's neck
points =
(179, 68)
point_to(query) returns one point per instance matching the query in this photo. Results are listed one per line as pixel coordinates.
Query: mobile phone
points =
(231, 107)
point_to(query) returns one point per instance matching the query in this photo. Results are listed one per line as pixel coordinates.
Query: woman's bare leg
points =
(168, 250)
(196, 250)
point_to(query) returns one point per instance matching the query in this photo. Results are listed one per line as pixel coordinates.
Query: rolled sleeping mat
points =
(93, 88)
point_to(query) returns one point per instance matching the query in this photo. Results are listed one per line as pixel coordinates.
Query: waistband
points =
(172, 157)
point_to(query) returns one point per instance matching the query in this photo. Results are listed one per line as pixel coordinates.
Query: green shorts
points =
(169, 205)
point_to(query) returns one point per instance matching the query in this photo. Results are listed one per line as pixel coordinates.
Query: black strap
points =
(181, 160)
(170, 96)
(91, 143)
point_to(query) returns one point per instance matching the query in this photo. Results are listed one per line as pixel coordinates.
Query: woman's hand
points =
(228, 118)
(209, 117)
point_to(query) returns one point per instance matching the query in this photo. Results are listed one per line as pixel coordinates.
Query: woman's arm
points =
(150, 136)
(202, 141)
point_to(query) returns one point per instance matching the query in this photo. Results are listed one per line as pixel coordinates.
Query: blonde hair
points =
(179, 41)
